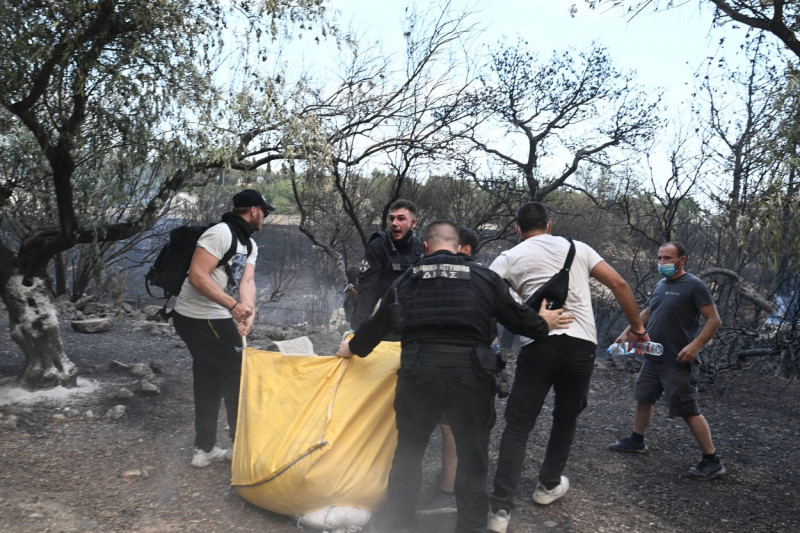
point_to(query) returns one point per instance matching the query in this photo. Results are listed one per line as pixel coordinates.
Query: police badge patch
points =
(363, 266)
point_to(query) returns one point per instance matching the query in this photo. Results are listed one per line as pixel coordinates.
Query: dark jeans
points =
(421, 399)
(565, 364)
(215, 346)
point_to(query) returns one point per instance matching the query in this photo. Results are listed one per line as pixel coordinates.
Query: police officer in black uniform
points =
(388, 254)
(444, 309)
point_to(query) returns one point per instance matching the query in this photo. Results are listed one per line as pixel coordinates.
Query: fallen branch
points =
(746, 289)
(758, 352)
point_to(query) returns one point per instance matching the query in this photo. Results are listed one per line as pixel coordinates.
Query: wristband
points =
(642, 333)
(233, 306)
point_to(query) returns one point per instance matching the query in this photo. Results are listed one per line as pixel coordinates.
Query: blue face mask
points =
(667, 270)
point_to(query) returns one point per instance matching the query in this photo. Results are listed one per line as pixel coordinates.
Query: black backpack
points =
(172, 264)
(555, 290)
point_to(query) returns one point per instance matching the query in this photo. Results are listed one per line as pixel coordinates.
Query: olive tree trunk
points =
(33, 321)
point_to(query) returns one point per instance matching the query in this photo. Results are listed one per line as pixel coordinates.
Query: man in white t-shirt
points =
(564, 361)
(212, 313)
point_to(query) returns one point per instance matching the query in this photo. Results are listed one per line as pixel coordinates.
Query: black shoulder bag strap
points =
(570, 255)
(558, 282)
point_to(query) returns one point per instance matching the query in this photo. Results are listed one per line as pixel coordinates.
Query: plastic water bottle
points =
(623, 348)
(618, 348)
(652, 348)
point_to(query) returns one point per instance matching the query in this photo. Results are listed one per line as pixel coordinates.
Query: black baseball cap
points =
(251, 198)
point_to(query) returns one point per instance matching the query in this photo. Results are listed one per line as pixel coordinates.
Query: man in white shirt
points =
(212, 320)
(564, 361)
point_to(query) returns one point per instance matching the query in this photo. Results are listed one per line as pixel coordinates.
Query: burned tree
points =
(556, 115)
(102, 106)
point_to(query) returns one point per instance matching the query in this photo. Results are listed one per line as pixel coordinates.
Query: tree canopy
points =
(104, 108)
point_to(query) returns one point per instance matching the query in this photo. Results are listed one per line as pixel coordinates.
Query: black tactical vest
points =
(440, 294)
(399, 262)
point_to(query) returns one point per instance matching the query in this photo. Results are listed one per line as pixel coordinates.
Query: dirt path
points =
(63, 472)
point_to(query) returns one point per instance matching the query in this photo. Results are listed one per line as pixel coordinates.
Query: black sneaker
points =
(628, 445)
(442, 500)
(706, 469)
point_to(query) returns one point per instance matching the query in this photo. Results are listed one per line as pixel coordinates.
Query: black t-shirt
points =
(675, 313)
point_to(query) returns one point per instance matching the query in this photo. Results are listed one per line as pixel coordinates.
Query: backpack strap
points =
(232, 251)
(232, 248)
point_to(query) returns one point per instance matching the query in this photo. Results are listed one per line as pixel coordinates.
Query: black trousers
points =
(421, 398)
(564, 364)
(215, 346)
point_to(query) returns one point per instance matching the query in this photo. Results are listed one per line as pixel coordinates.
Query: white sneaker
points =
(542, 496)
(498, 522)
(202, 459)
(229, 454)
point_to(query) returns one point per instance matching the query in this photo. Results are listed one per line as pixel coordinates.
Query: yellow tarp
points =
(315, 431)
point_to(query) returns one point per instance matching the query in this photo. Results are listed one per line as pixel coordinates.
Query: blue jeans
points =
(564, 364)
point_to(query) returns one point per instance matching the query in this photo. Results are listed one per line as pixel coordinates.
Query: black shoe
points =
(628, 445)
(706, 469)
(441, 500)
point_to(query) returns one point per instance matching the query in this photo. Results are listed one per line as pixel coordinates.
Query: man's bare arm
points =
(605, 274)
(203, 263)
(712, 324)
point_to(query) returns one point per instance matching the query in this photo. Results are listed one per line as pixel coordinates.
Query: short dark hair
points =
(401, 203)
(532, 216)
(468, 237)
(678, 246)
(440, 232)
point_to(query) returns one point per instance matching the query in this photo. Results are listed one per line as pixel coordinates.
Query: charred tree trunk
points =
(789, 365)
(33, 322)
(60, 270)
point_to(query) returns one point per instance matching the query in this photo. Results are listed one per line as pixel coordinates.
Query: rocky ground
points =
(68, 463)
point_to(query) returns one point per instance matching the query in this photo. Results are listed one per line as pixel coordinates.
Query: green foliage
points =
(103, 88)
(279, 194)
(107, 107)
